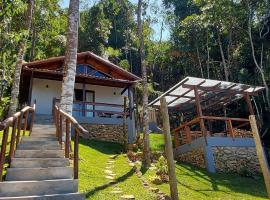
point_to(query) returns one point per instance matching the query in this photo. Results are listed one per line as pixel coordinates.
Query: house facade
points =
(101, 88)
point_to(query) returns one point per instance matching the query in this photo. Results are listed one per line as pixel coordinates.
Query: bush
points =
(4, 102)
(162, 167)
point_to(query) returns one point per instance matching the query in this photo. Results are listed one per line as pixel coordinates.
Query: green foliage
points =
(161, 165)
(124, 64)
(4, 102)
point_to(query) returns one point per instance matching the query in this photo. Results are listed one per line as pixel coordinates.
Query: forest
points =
(218, 39)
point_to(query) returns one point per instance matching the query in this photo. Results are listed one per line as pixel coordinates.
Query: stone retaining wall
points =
(236, 159)
(195, 157)
(104, 132)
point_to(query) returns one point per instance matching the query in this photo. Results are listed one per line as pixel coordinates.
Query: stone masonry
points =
(236, 159)
(195, 157)
(104, 132)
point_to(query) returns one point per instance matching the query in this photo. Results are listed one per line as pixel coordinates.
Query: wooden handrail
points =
(70, 122)
(99, 104)
(15, 123)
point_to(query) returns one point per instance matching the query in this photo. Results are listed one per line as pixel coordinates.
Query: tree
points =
(66, 101)
(20, 57)
(146, 142)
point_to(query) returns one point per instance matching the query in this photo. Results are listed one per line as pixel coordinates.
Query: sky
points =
(156, 26)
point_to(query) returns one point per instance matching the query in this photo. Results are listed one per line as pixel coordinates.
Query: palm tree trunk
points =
(21, 51)
(66, 101)
(146, 143)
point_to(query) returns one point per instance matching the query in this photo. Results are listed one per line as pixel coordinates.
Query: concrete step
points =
(43, 132)
(38, 138)
(68, 196)
(28, 174)
(42, 136)
(39, 153)
(39, 162)
(29, 146)
(32, 188)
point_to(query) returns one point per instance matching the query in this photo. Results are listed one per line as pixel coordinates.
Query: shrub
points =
(162, 167)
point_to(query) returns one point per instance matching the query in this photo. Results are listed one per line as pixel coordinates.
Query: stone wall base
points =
(236, 159)
(195, 157)
(104, 132)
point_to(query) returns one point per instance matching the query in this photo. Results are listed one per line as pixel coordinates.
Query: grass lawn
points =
(8, 146)
(197, 183)
(92, 181)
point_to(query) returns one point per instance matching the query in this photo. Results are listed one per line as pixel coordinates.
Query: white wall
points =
(44, 91)
(44, 95)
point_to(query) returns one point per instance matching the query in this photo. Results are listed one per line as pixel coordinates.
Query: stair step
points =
(28, 174)
(39, 153)
(32, 188)
(29, 146)
(38, 138)
(68, 196)
(39, 162)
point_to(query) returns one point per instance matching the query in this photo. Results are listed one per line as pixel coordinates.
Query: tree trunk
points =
(21, 51)
(66, 101)
(199, 60)
(146, 143)
(208, 55)
(226, 71)
(259, 67)
(33, 44)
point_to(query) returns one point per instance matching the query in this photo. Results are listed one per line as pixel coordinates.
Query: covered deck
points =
(201, 98)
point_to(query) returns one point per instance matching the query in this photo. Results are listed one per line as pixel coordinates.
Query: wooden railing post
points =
(230, 128)
(187, 133)
(76, 154)
(67, 138)
(13, 139)
(19, 128)
(3, 151)
(60, 129)
(176, 139)
(25, 122)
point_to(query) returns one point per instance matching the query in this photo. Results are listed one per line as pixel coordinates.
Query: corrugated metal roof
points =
(214, 92)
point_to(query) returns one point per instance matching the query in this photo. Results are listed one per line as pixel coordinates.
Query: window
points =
(89, 70)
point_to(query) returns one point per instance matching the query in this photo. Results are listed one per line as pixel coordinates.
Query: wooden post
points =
(13, 139)
(249, 104)
(199, 111)
(187, 133)
(230, 128)
(76, 154)
(25, 122)
(67, 138)
(125, 124)
(176, 139)
(260, 153)
(60, 128)
(30, 89)
(3, 152)
(19, 129)
(169, 149)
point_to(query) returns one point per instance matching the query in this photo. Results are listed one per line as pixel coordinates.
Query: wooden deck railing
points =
(60, 118)
(187, 135)
(15, 122)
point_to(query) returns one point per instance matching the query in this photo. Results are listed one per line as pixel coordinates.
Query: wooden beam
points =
(249, 104)
(260, 153)
(124, 90)
(199, 111)
(169, 149)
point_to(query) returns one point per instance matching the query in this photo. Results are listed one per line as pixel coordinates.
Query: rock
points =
(128, 197)
(108, 171)
(109, 177)
(116, 192)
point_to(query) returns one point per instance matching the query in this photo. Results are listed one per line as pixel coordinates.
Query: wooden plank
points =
(169, 149)
(76, 154)
(3, 152)
(224, 118)
(260, 153)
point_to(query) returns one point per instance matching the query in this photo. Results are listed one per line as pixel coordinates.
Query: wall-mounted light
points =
(47, 86)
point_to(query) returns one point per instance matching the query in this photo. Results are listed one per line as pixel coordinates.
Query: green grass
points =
(156, 141)
(8, 146)
(197, 183)
(92, 181)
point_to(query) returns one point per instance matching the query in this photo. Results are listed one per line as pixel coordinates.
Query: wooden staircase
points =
(39, 169)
